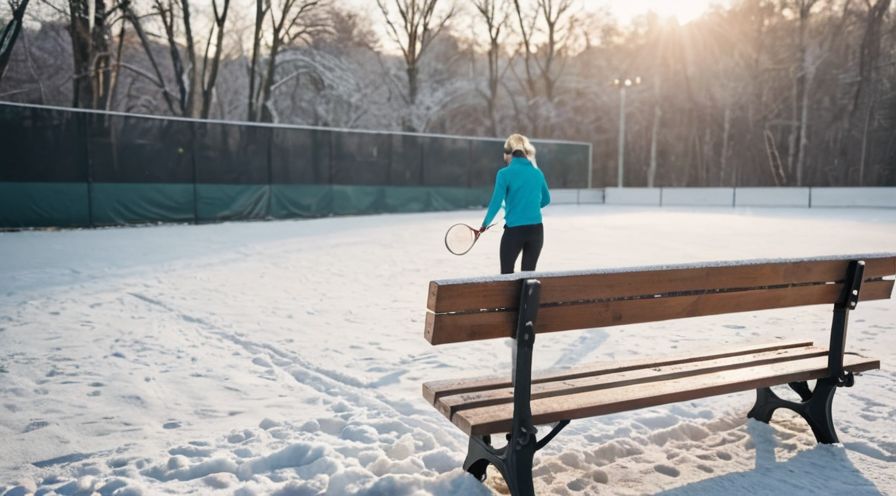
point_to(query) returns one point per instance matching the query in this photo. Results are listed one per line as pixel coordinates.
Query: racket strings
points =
(460, 239)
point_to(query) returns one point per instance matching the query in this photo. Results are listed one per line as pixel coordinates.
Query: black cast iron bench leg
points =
(815, 406)
(513, 461)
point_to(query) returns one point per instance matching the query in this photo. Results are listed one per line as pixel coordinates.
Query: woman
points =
(524, 191)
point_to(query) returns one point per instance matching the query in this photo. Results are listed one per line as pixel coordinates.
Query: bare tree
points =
(195, 78)
(495, 14)
(157, 77)
(814, 52)
(89, 31)
(291, 20)
(758, 14)
(27, 74)
(11, 32)
(800, 97)
(526, 23)
(555, 15)
(865, 94)
(413, 31)
(543, 63)
(334, 80)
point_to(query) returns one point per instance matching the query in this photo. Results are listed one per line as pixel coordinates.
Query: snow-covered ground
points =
(287, 357)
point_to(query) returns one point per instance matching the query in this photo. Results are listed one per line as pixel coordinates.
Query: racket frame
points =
(476, 234)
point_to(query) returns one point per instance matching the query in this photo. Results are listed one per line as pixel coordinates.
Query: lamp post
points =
(622, 84)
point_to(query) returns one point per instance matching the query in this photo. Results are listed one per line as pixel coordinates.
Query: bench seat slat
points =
(459, 295)
(452, 328)
(497, 418)
(436, 389)
(449, 405)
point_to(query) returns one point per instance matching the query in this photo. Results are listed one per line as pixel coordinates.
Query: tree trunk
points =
(792, 140)
(747, 165)
(79, 30)
(113, 83)
(706, 152)
(654, 134)
(100, 63)
(493, 53)
(168, 20)
(863, 155)
(774, 159)
(412, 82)
(252, 114)
(723, 160)
(208, 84)
(804, 124)
(194, 100)
(268, 83)
(799, 96)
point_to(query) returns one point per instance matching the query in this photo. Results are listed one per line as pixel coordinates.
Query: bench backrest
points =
(472, 309)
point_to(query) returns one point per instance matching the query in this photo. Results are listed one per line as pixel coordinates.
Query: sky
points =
(625, 10)
(682, 10)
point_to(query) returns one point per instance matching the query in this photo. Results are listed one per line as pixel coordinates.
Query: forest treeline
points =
(756, 92)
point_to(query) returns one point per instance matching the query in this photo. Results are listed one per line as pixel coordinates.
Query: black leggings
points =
(528, 239)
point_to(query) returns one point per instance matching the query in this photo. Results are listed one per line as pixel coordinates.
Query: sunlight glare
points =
(683, 11)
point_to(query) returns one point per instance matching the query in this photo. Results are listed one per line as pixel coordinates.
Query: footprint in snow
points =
(262, 362)
(667, 470)
(37, 424)
(581, 348)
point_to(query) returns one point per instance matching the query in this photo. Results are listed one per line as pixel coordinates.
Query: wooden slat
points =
(459, 296)
(436, 389)
(492, 419)
(453, 328)
(449, 405)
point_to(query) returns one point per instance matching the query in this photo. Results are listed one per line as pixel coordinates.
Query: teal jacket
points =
(524, 191)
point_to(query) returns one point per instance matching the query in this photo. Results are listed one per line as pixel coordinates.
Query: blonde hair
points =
(518, 142)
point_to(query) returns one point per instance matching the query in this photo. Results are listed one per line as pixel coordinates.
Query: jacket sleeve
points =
(497, 199)
(545, 193)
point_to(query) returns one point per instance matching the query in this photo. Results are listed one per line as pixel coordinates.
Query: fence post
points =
(470, 163)
(590, 165)
(270, 160)
(192, 151)
(422, 165)
(82, 121)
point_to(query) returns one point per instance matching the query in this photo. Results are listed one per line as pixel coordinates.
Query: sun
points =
(683, 11)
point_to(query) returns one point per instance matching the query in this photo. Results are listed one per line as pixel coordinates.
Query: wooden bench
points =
(523, 305)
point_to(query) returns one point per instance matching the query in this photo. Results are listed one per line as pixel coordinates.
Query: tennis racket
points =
(460, 238)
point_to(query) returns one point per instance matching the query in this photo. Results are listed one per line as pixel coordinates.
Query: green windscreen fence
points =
(69, 168)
